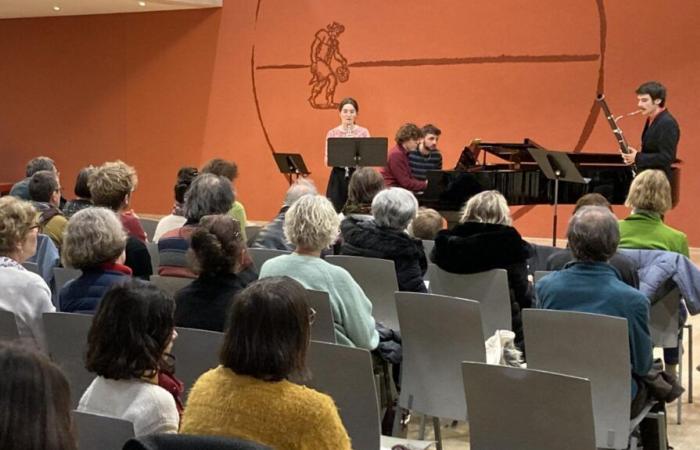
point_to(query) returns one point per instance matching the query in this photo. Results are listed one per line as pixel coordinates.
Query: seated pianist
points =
(397, 172)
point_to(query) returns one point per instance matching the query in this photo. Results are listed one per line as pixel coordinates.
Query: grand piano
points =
(516, 175)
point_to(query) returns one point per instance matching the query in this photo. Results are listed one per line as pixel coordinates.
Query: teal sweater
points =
(646, 230)
(352, 310)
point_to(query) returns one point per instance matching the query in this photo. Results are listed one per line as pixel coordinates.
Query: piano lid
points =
(517, 153)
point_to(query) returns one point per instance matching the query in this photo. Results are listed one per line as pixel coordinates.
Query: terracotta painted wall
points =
(161, 90)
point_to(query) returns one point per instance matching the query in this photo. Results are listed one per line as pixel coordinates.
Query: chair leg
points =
(689, 327)
(438, 433)
(421, 431)
(661, 424)
(679, 402)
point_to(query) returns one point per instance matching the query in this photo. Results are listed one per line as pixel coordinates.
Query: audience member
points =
(111, 186)
(249, 395)
(397, 172)
(229, 170)
(35, 402)
(272, 234)
(176, 218)
(21, 188)
(365, 183)
(216, 249)
(311, 225)
(82, 193)
(427, 156)
(128, 341)
(385, 237)
(94, 243)
(22, 292)
(483, 240)
(427, 224)
(624, 265)
(45, 192)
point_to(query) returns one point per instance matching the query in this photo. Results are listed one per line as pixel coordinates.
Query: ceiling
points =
(53, 8)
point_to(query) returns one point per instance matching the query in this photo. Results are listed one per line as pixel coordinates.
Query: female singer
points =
(337, 191)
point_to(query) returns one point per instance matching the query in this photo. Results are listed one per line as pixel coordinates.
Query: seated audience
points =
(311, 225)
(385, 237)
(229, 170)
(21, 188)
(272, 234)
(94, 243)
(35, 402)
(397, 172)
(131, 334)
(45, 192)
(426, 225)
(483, 240)
(176, 218)
(22, 292)
(208, 195)
(111, 186)
(216, 249)
(364, 184)
(249, 396)
(427, 156)
(82, 193)
(624, 265)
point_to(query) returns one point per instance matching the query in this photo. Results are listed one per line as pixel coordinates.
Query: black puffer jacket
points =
(365, 238)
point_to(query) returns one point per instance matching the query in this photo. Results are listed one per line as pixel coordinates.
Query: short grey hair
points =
(208, 194)
(311, 223)
(40, 163)
(487, 207)
(298, 189)
(92, 237)
(394, 208)
(593, 234)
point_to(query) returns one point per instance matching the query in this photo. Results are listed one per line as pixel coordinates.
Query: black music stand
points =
(357, 152)
(291, 165)
(556, 166)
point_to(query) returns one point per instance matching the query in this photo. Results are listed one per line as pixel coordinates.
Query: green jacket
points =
(646, 230)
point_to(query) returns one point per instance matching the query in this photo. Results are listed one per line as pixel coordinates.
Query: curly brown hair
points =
(221, 168)
(407, 132)
(111, 183)
(216, 245)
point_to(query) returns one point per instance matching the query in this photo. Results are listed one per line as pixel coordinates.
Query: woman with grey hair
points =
(385, 237)
(483, 240)
(311, 225)
(94, 242)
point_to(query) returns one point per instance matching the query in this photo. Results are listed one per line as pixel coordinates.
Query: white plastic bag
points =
(501, 350)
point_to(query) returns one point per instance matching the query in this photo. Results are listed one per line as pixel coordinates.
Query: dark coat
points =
(85, 292)
(366, 238)
(659, 142)
(272, 235)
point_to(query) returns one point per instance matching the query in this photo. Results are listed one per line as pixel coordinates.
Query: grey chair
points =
(66, 338)
(260, 255)
(428, 246)
(8, 326)
(32, 267)
(323, 328)
(152, 248)
(489, 288)
(251, 231)
(96, 432)
(170, 284)
(195, 351)
(63, 275)
(149, 226)
(345, 373)
(377, 278)
(190, 442)
(438, 333)
(525, 409)
(592, 346)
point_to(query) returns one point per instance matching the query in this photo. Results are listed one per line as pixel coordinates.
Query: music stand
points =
(556, 166)
(357, 152)
(291, 165)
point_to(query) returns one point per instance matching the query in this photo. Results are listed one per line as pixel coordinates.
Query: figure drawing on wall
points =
(328, 66)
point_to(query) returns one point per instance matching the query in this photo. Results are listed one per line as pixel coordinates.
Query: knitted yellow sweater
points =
(282, 415)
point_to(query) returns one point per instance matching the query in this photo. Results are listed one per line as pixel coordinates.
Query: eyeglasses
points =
(312, 316)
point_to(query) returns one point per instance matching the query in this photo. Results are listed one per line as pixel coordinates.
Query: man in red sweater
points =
(397, 172)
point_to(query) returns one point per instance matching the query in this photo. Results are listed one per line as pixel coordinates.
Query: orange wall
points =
(161, 90)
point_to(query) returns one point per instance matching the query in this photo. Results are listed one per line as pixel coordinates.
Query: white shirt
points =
(168, 223)
(148, 406)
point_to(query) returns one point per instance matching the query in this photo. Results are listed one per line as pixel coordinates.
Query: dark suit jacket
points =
(659, 142)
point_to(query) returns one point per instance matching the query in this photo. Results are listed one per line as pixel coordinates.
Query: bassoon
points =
(621, 141)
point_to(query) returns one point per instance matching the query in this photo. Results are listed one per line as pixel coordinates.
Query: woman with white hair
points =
(311, 225)
(385, 237)
(483, 240)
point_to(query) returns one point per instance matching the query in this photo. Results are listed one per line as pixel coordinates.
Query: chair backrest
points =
(428, 246)
(149, 226)
(437, 334)
(8, 326)
(592, 346)
(540, 254)
(664, 320)
(32, 267)
(63, 275)
(489, 288)
(323, 328)
(188, 442)
(345, 373)
(377, 278)
(260, 255)
(152, 248)
(525, 409)
(97, 432)
(170, 284)
(251, 231)
(196, 351)
(66, 338)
